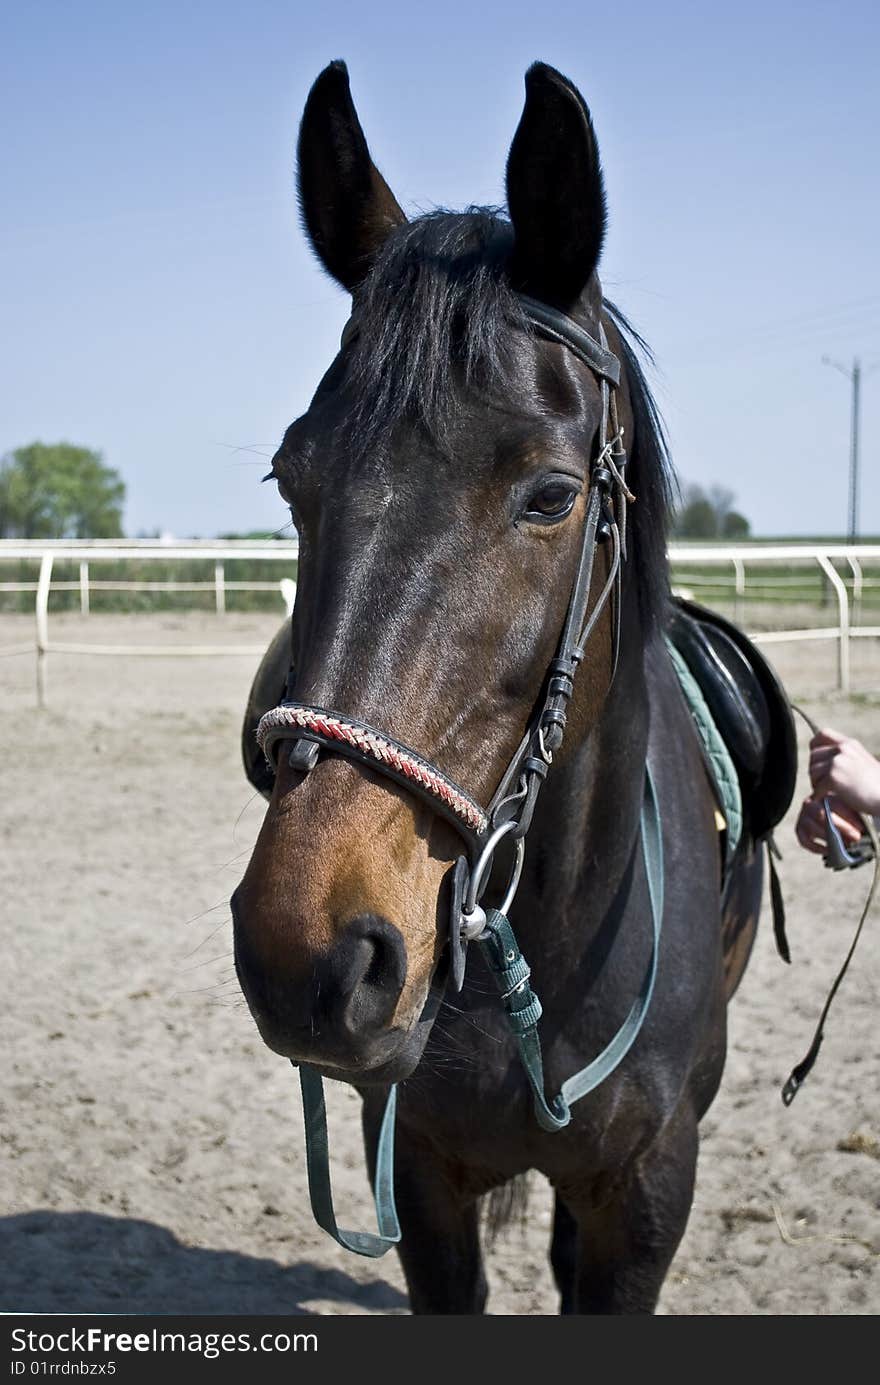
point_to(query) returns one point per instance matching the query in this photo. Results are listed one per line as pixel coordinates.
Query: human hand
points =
(841, 765)
(811, 828)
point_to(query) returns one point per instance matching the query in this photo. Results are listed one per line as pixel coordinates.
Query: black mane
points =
(438, 304)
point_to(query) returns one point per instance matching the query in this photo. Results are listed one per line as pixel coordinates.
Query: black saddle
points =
(749, 706)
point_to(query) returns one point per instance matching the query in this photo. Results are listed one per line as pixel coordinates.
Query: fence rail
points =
(839, 570)
(826, 558)
(86, 553)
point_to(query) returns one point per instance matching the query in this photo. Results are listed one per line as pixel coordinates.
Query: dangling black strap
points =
(777, 903)
(799, 1072)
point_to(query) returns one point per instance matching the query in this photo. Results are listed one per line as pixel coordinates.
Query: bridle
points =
(508, 814)
(510, 810)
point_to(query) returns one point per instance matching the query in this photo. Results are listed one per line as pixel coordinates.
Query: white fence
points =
(736, 559)
(86, 553)
(829, 558)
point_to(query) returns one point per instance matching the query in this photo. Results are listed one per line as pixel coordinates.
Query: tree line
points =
(59, 491)
(708, 514)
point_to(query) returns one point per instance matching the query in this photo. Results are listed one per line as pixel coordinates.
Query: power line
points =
(776, 341)
(833, 317)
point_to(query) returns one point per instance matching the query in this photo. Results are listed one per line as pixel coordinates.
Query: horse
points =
(481, 489)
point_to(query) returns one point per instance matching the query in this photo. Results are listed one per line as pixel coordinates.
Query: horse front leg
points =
(563, 1255)
(440, 1244)
(616, 1256)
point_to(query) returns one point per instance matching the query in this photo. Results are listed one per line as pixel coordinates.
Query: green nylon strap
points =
(523, 1007)
(318, 1165)
(723, 768)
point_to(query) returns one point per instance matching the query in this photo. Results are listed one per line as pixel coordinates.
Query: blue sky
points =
(159, 301)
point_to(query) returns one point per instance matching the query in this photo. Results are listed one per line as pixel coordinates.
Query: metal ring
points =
(480, 873)
(477, 882)
(513, 884)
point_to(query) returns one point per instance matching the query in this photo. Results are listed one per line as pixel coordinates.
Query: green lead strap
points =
(523, 1008)
(318, 1165)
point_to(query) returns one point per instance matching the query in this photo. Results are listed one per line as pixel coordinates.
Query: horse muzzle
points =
(335, 1010)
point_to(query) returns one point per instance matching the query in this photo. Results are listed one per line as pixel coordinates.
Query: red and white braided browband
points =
(295, 715)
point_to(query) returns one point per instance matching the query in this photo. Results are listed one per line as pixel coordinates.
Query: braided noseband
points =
(320, 726)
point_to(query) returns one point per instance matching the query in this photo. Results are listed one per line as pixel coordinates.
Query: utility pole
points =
(854, 375)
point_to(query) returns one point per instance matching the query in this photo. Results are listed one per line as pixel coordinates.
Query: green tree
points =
(57, 491)
(735, 526)
(709, 515)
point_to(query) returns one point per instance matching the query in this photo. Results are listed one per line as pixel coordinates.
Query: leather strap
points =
(777, 903)
(528, 768)
(562, 328)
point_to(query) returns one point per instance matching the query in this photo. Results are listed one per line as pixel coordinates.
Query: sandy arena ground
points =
(152, 1154)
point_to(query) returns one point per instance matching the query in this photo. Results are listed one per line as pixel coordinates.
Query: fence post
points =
(220, 588)
(42, 613)
(288, 593)
(84, 589)
(843, 619)
(856, 569)
(740, 570)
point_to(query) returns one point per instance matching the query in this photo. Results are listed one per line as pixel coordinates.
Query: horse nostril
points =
(368, 967)
(331, 1002)
(376, 973)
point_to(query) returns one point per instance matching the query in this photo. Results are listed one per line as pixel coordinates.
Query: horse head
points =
(439, 483)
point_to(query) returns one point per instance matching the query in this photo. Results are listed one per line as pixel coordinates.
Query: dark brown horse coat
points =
(438, 483)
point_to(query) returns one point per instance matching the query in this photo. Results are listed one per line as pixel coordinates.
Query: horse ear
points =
(347, 207)
(555, 193)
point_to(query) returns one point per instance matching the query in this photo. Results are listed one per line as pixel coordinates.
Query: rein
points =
(837, 857)
(509, 813)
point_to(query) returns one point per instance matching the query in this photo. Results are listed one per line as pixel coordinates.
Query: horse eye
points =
(551, 503)
(284, 491)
